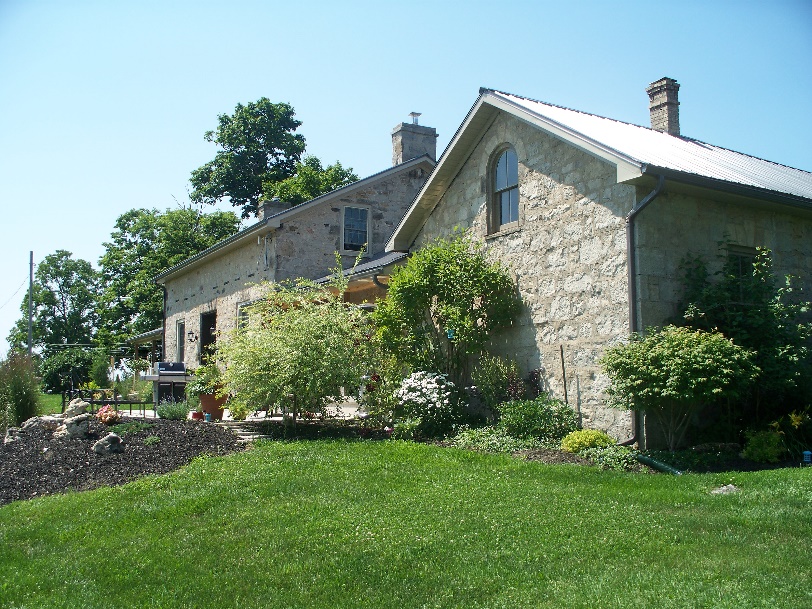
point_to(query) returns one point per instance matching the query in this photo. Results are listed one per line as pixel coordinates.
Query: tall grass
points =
(392, 524)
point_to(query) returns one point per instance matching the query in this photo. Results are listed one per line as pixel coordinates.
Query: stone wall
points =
(677, 224)
(568, 255)
(303, 246)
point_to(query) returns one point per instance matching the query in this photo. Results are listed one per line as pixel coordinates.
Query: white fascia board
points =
(628, 168)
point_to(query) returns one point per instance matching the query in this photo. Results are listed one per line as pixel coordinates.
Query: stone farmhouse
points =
(206, 293)
(593, 216)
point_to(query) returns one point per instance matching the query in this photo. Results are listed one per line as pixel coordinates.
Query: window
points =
(180, 335)
(739, 266)
(356, 228)
(242, 313)
(505, 190)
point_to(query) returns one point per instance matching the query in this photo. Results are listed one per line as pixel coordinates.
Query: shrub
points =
(430, 397)
(618, 458)
(19, 390)
(672, 373)
(151, 440)
(174, 411)
(545, 418)
(65, 370)
(108, 415)
(577, 441)
(764, 446)
(444, 304)
(497, 380)
(407, 429)
(492, 439)
(129, 427)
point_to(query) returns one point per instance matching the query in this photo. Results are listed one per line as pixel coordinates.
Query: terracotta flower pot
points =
(212, 405)
(197, 416)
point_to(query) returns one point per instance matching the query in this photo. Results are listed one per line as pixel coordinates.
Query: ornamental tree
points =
(673, 372)
(444, 304)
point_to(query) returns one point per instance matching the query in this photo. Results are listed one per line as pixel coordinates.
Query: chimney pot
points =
(664, 105)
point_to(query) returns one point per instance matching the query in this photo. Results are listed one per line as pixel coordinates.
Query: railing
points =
(102, 397)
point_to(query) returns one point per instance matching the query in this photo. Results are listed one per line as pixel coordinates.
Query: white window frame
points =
(368, 211)
(180, 335)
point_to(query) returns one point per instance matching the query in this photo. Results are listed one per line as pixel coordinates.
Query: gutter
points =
(632, 266)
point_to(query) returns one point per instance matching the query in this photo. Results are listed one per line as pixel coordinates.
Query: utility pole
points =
(31, 304)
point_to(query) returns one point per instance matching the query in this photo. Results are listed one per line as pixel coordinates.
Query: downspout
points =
(163, 325)
(632, 266)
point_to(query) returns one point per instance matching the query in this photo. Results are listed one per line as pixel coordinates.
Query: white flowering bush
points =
(430, 398)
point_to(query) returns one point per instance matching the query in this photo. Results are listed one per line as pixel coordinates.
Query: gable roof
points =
(634, 150)
(275, 221)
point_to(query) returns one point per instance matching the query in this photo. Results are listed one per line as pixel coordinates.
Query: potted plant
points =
(207, 388)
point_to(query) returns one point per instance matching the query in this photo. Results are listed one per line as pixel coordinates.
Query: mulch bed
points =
(42, 465)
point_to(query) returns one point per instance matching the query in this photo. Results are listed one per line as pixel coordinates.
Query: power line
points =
(15, 293)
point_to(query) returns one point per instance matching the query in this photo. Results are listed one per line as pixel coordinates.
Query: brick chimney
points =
(664, 105)
(410, 140)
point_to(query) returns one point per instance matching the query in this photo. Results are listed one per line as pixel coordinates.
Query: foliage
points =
(300, 349)
(151, 440)
(144, 243)
(208, 379)
(497, 380)
(122, 429)
(796, 431)
(430, 398)
(100, 368)
(581, 439)
(64, 297)
(750, 306)
(108, 415)
(175, 411)
(309, 181)
(258, 147)
(19, 390)
(492, 439)
(544, 418)
(765, 446)
(618, 458)
(66, 370)
(407, 429)
(673, 372)
(444, 304)
(378, 399)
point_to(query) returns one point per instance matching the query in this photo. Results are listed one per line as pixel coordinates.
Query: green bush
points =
(577, 441)
(764, 446)
(430, 398)
(65, 370)
(492, 440)
(174, 411)
(407, 429)
(19, 390)
(673, 372)
(497, 380)
(544, 418)
(618, 458)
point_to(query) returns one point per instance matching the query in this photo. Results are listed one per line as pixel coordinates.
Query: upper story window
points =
(356, 228)
(505, 190)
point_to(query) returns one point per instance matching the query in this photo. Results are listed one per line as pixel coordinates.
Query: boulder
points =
(77, 406)
(109, 444)
(48, 423)
(74, 427)
(13, 434)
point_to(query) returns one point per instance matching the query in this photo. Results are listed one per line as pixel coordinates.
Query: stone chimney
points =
(663, 105)
(269, 208)
(410, 140)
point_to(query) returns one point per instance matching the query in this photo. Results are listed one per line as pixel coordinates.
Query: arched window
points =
(505, 190)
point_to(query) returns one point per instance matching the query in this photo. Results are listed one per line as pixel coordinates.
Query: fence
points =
(102, 397)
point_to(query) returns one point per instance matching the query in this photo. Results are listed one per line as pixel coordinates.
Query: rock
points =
(74, 427)
(13, 434)
(109, 444)
(48, 423)
(77, 406)
(725, 490)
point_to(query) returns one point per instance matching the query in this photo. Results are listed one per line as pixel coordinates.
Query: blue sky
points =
(103, 105)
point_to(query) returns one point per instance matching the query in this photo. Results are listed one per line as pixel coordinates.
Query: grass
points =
(50, 403)
(395, 524)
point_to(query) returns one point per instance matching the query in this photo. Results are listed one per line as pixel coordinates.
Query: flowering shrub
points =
(108, 415)
(428, 396)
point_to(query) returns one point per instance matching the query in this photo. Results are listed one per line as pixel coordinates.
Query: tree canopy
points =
(146, 242)
(258, 145)
(64, 297)
(310, 180)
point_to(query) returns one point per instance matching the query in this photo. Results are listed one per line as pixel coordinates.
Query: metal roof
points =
(381, 261)
(677, 153)
(634, 150)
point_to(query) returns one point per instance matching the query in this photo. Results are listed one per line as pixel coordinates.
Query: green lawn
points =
(392, 524)
(50, 403)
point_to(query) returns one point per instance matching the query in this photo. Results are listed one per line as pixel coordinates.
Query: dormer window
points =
(505, 178)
